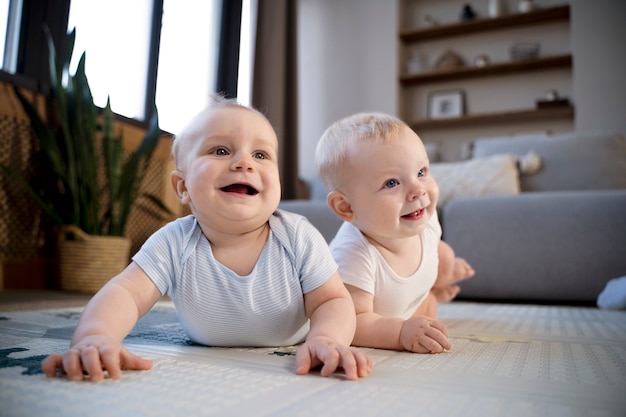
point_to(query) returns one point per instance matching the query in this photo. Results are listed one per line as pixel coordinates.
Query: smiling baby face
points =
(228, 168)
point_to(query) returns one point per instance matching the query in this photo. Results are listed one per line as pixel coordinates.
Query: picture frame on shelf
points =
(446, 104)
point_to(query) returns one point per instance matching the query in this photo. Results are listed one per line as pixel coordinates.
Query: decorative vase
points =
(87, 262)
(496, 8)
(525, 6)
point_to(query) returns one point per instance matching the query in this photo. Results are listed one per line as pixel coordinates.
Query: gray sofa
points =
(560, 240)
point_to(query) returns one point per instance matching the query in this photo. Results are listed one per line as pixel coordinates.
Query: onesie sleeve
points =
(161, 254)
(314, 261)
(307, 248)
(354, 257)
(434, 227)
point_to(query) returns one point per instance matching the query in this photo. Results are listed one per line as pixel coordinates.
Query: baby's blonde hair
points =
(216, 101)
(334, 146)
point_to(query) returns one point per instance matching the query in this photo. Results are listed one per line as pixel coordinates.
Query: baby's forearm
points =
(335, 318)
(111, 312)
(379, 332)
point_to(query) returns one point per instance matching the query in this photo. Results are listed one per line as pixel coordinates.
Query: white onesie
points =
(363, 266)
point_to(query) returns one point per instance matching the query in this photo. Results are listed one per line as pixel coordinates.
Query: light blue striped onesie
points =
(216, 306)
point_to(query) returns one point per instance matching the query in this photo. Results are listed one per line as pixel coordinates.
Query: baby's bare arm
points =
(333, 323)
(421, 334)
(418, 334)
(107, 319)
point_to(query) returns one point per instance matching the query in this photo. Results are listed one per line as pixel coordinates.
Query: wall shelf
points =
(534, 75)
(526, 65)
(529, 115)
(551, 14)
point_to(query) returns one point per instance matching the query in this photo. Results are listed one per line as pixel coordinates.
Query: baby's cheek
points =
(434, 193)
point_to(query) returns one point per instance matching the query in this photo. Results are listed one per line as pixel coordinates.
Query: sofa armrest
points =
(551, 246)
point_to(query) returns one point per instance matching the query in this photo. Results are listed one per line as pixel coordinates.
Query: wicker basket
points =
(88, 262)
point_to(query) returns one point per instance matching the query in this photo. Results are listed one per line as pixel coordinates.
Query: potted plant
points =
(90, 184)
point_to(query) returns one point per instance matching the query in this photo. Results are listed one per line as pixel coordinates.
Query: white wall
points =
(598, 40)
(346, 64)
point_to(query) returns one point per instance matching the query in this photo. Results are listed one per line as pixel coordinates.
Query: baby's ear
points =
(178, 183)
(338, 202)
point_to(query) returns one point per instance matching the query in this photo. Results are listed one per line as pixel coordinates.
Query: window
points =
(187, 60)
(246, 51)
(117, 47)
(122, 38)
(9, 32)
(4, 20)
(117, 64)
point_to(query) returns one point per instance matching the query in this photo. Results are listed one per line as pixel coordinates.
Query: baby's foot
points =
(445, 294)
(462, 270)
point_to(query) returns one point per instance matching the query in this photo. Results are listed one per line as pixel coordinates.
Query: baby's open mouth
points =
(240, 189)
(415, 215)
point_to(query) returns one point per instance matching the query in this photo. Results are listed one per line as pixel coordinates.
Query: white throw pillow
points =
(493, 175)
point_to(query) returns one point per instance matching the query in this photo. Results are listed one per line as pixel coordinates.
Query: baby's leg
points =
(461, 270)
(428, 307)
(451, 269)
(445, 294)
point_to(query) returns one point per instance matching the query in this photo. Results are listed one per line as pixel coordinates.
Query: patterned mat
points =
(512, 360)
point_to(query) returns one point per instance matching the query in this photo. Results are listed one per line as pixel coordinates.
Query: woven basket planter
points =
(88, 262)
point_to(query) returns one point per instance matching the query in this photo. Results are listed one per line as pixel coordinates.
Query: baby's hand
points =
(421, 334)
(93, 355)
(321, 350)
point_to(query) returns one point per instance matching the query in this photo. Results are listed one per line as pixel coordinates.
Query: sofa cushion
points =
(493, 175)
(570, 161)
(563, 245)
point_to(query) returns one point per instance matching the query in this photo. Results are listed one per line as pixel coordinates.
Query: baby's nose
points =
(417, 191)
(242, 162)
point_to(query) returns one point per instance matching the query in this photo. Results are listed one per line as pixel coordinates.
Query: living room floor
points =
(37, 299)
(11, 300)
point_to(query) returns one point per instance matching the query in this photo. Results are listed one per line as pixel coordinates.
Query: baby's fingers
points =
(114, 361)
(92, 363)
(132, 362)
(436, 341)
(440, 327)
(363, 364)
(333, 358)
(303, 360)
(51, 364)
(355, 364)
(72, 366)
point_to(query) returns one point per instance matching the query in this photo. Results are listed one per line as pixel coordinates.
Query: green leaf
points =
(33, 193)
(74, 146)
(133, 173)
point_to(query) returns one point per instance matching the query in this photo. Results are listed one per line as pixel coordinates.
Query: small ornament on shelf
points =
(449, 60)
(415, 63)
(552, 99)
(496, 8)
(481, 61)
(524, 50)
(467, 13)
(525, 6)
(431, 21)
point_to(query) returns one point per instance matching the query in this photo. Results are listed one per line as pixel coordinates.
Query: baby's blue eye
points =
(221, 151)
(421, 173)
(260, 155)
(391, 183)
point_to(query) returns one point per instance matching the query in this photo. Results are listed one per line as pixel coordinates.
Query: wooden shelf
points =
(551, 14)
(530, 115)
(525, 65)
